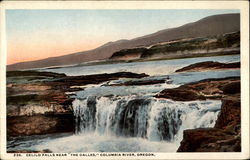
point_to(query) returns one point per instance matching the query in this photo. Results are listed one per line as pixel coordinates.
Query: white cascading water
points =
(130, 124)
(149, 118)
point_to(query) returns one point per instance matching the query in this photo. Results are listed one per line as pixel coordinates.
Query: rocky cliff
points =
(192, 47)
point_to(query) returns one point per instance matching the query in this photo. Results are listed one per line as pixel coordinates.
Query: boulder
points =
(178, 94)
(40, 124)
(229, 117)
(209, 140)
(231, 88)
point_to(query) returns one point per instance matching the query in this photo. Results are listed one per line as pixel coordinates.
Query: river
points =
(117, 118)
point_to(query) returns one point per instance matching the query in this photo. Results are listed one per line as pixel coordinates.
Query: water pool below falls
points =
(142, 119)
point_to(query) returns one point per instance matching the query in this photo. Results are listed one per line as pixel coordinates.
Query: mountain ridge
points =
(211, 25)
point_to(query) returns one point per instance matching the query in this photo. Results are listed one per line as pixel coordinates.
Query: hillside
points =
(209, 26)
(224, 44)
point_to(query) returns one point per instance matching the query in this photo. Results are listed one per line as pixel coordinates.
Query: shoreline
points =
(129, 61)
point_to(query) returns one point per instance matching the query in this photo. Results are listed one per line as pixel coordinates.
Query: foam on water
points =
(93, 142)
(153, 126)
(123, 90)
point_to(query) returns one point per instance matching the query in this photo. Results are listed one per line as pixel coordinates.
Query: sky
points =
(39, 34)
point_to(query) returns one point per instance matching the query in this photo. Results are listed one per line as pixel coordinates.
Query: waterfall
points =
(130, 123)
(149, 118)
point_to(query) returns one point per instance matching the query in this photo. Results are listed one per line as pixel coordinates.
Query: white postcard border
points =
(243, 6)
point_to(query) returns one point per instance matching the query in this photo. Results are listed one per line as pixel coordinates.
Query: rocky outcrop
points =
(209, 140)
(226, 135)
(204, 89)
(178, 94)
(209, 65)
(128, 54)
(139, 82)
(92, 79)
(34, 74)
(37, 102)
(231, 88)
(40, 124)
(229, 118)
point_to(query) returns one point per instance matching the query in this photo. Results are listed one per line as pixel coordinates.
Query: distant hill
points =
(209, 26)
(225, 44)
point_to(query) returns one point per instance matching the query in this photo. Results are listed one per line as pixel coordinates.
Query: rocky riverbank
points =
(38, 103)
(226, 135)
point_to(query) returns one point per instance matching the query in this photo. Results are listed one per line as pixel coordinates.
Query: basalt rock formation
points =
(39, 103)
(190, 47)
(204, 89)
(226, 135)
